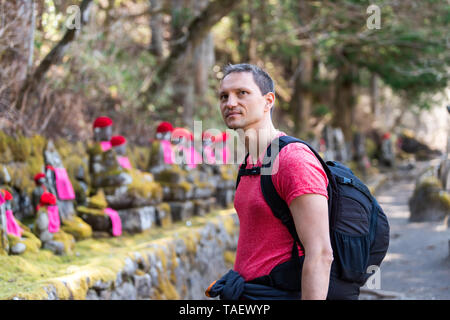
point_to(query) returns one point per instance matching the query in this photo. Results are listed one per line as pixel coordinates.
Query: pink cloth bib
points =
(225, 155)
(209, 153)
(12, 227)
(53, 219)
(192, 157)
(124, 162)
(115, 221)
(106, 145)
(63, 185)
(169, 156)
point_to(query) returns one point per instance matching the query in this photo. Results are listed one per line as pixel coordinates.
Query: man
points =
(247, 97)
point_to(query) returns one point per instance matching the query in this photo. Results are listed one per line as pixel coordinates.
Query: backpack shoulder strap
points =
(242, 171)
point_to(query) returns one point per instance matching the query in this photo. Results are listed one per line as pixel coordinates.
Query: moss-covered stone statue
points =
(387, 155)
(225, 170)
(161, 150)
(105, 221)
(141, 191)
(20, 237)
(429, 201)
(5, 181)
(47, 227)
(59, 184)
(163, 164)
(104, 168)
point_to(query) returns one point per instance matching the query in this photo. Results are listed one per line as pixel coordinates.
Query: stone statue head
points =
(119, 143)
(164, 131)
(182, 136)
(51, 156)
(5, 178)
(102, 129)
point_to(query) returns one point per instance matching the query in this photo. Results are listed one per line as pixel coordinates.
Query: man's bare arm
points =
(310, 213)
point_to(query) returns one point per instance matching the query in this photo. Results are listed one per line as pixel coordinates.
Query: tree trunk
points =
(156, 27)
(344, 99)
(31, 39)
(301, 102)
(183, 84)
(53, 57)
(374, 94)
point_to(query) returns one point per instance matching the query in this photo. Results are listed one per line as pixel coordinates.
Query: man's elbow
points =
(324, 255)
(327, 256)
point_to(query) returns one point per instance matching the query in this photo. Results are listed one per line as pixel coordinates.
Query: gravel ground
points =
(417, 265)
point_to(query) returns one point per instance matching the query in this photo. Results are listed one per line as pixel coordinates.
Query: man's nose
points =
(231, 101)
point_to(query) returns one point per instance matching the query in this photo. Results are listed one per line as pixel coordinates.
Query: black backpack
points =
(359, 229)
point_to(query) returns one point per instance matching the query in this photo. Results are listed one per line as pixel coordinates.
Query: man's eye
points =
(223, 97)
(243, 92)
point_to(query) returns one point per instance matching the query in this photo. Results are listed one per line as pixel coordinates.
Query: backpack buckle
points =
(345, 180)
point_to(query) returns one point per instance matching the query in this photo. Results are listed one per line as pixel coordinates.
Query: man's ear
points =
(270, 100)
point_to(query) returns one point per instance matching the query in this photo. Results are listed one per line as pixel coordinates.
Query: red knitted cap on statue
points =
(117, 141)
(102, 122)
(8, 195)
(47, 199)
(164, 127)
(38, 176)
(182, 132)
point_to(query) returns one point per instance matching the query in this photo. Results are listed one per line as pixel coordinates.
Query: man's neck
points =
(257, 141)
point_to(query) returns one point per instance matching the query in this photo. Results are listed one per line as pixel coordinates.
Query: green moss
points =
(139, 157)
(371, 148)
(98, 201)
(21, 177)
(77, 227)
(67, 239)
(92, 211)
(27, 275)
(431, 186)
(143, 185)
(229, 257)
(154, 154)
(5, 151)
(444, 198)
(94, 149)
(227, 172)
(166, 221)
(20, 147)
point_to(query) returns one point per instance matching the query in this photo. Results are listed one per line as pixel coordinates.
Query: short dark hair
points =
(261, 78)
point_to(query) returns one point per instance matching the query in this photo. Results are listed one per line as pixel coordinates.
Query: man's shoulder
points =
(295, 150)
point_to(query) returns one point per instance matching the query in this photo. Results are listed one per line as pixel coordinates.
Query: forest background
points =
(357, 65)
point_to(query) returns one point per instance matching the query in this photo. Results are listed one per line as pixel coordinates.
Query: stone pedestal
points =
(203, 206)
(136, 220)
(181, 210)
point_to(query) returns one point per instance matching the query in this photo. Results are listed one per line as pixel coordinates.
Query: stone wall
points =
(177, 267)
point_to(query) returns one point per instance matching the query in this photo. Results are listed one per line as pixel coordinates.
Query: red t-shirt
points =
(264, 242)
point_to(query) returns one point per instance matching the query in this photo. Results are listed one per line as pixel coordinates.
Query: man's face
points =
(241, 102)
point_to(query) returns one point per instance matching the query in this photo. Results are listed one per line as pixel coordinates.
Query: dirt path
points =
(417, 265)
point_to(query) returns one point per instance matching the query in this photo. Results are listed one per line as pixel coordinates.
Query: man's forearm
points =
(316, 277)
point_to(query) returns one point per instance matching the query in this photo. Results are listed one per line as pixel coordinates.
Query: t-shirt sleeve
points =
(297, 171)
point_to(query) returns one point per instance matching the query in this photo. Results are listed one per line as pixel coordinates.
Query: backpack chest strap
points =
(250, 172)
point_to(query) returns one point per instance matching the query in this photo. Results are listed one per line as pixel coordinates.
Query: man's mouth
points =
(232, 114)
